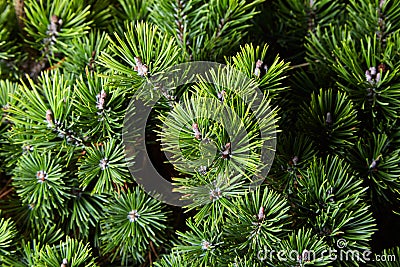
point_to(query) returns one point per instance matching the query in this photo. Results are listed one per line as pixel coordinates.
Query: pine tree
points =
(288, 142)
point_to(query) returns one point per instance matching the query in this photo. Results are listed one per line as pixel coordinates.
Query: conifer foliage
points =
(326, 77)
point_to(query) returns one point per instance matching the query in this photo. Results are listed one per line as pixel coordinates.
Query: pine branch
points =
(332, 200)
(200, 245)
(309, 247)
(132, 220)
(83, 53)
(133, 56)
(49, 25)
(70, 252)
(8, 234)
(39, 177)
(331, 119)
(103, 169)
(259, 220)
(376, 162)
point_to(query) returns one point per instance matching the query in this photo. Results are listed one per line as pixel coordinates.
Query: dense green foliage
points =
(328, 74)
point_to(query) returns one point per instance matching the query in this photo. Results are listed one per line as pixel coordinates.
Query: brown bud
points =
(196, 131)
(257, 70)
(221, 95)
(227, 151)
(381, 67)
(54, 19)
(141, 68)
(328, 118)
(295, 160)
(49, 117)
(261, 214)
(64, 263)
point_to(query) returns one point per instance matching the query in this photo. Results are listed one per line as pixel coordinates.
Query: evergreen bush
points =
(311, 85)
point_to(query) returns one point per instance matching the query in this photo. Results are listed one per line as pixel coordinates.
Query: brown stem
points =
(302, 65)
(4, 188)
(151, 261)
(58, 64)
(153, 249)
(6, 192)
(20, 13)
